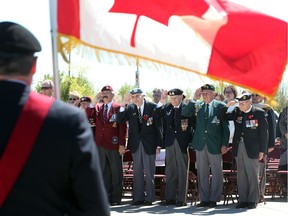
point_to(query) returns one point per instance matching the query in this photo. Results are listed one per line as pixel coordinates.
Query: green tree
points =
(68, 83)
(124, 89)
(281, 97)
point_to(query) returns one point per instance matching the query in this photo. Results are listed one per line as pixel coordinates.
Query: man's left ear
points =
(33, 69)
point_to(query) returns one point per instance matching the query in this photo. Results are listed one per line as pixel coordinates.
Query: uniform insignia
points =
(114, 140)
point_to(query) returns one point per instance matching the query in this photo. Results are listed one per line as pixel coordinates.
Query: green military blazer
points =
(215, 133)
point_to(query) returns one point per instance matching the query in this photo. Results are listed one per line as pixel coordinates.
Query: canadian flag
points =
(238, 41)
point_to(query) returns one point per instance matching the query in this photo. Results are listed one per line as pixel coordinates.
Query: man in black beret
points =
(56, 168)
(210, 141)
(249, 145)
(177, 136)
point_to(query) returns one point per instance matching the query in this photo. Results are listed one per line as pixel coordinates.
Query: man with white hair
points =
(249, 146)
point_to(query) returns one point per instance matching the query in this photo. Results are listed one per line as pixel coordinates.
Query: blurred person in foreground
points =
(50, 167)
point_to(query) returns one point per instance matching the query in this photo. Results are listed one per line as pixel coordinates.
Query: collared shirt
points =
(109, 106)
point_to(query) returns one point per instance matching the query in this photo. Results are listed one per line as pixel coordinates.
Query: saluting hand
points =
(197, 94)
(164, 96)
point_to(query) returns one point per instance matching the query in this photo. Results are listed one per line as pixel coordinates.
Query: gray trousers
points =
(247, 176)
(112, 170)
(262, 175)
(143, 163)
(176, 172)
(205, 161)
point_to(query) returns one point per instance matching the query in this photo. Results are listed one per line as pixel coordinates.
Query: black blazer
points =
(148, 134)
(252, 126)
(172, 131)
(62, 174)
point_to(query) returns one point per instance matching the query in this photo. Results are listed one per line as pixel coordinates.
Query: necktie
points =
(105, 113)
(176, 111)
(140, 117)
(206, 115)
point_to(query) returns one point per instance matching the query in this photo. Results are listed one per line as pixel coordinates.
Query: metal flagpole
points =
(137, 78)
(54, 32)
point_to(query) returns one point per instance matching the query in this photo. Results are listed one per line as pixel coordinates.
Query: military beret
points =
(107, 88)
(136, 91)
(17, 40)
(208, 87)
(244, 96)
(175, 91)
(85, 99)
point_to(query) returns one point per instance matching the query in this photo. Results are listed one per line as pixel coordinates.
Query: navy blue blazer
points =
(172, 130)
(251, 126)
(148, 133)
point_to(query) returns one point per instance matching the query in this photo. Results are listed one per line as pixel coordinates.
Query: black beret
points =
(136, 91)
(107, 88)
(85, 99)
(244, 96)
(17, 40)
(208, 87)
(175, 91)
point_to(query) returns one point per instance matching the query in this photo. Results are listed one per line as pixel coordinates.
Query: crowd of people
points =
(211, 123)
(82, 171)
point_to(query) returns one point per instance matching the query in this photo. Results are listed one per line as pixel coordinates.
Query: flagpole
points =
(54, 32)
(137, 78)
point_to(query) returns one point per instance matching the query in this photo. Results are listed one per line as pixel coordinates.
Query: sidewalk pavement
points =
(275, 207)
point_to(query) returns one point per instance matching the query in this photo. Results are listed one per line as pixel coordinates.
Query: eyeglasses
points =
(72, 99)
(228, 92)
(255, 95)
(45, 88)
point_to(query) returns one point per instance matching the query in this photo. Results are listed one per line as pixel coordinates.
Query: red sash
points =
(21, 141)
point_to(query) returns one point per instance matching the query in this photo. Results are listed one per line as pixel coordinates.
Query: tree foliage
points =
(124, 89)
(78, 83)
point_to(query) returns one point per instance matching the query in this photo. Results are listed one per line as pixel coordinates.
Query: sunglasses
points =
(45, 88)
(228, 92)
(72, 99)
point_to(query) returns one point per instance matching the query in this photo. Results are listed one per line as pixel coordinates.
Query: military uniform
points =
(109, 135)
(209, 137)
(250, 138)
(177, 137)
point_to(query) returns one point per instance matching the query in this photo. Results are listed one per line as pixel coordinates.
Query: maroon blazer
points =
(109, 134)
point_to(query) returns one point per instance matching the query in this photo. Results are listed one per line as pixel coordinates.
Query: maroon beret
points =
(107, 88)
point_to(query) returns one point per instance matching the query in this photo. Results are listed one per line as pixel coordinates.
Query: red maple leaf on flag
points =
(158, 10)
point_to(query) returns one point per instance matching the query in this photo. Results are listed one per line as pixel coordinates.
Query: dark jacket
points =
(62, 173)
(148, 133)
(172, 131)
(252, 127)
